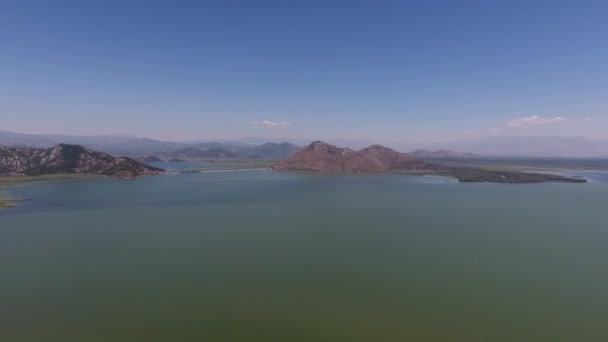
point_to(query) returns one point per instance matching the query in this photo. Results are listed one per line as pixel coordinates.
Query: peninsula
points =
(323, 157)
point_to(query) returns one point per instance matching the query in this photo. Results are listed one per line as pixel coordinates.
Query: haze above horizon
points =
(424, 71)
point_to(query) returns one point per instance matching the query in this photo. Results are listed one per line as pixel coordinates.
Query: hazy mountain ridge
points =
(151, 159)
(13, 139)
(533, 146)
(68, 159)
(220, 151)
(191, 152)
(498, 146)
(145, 147)
(442, 154)
(275, 150)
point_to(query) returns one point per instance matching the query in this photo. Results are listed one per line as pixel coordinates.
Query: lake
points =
(266, 256)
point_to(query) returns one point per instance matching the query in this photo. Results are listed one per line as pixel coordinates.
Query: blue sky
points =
(378, 70)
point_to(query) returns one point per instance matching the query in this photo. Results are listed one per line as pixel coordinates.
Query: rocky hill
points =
(68, 159)
(323, 157)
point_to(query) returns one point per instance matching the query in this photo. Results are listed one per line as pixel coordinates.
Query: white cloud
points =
(271, 124)
(534, 120)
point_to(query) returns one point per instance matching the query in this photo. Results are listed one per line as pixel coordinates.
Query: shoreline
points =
(6, 181)
(7, 200)
(466, 175)
(460, 174)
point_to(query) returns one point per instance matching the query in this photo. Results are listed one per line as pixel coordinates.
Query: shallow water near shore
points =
(266, 256)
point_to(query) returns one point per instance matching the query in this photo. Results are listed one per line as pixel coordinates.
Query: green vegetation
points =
(6, 181)
(514, 170)
(475, 175)
(6, 201)
(471, 174)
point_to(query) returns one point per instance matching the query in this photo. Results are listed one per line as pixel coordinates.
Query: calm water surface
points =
(264, 256)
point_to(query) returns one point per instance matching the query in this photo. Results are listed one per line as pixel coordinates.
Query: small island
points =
(323, 157)
(6, 202)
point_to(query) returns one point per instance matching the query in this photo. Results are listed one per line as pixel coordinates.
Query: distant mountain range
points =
(499, 146)
(125, 145)
(192, 152)
(264, 151)
(531, 146)
(518, 146)
(274, 150)
(442, 155)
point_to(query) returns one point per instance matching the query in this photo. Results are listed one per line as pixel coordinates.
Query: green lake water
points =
(263, 256)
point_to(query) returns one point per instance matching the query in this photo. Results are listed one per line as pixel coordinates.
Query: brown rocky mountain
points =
(68, 159)
(323, 157)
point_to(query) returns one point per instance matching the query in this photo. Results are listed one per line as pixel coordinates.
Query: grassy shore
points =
(233, 164)
(6, 181)
(6, 201)
(474, 174)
